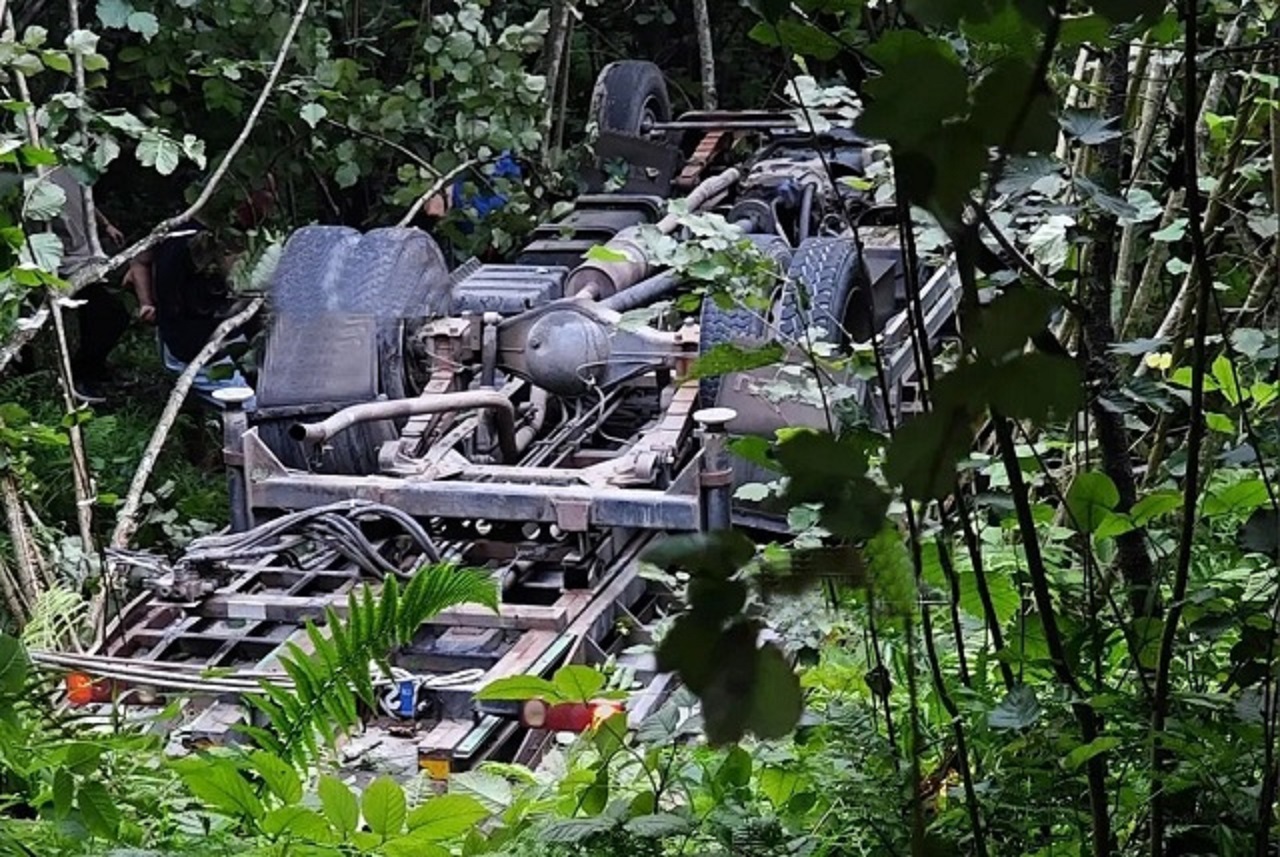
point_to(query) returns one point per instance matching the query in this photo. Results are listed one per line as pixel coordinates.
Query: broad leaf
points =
(339, 803)
(383, 806)
(1018, 710)
(1090, 499)
(446, 816)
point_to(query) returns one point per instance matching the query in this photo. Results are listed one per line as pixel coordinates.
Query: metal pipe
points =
(715, 474)
(234, 424)
(538, 401)
(436, 403)
(642, 292)
(806, 212)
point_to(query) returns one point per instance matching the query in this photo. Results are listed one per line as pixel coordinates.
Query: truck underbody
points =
(518, 419)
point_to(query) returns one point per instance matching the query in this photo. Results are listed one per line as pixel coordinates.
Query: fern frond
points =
(329, 681)
(56, 618)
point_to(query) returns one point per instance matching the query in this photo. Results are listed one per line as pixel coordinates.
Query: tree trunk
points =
(1098, 335)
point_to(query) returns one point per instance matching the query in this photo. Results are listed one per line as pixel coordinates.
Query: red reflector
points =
(82, 689)
(567, 716)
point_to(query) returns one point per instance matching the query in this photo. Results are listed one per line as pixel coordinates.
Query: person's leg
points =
(103, 320)
(204, 384)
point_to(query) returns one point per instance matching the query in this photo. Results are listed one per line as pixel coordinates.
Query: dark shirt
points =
(189, 300)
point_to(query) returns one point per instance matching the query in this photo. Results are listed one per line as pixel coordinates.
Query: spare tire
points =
(735, 324)
(823, 277)
(630, 95)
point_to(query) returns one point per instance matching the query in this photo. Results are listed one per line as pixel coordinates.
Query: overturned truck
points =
(504, 417)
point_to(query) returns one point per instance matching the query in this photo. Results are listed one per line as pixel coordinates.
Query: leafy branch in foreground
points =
(329, 683)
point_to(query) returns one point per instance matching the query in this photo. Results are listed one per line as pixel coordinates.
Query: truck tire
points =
(308, 279)
(828, 270)
(629, 95)
(735, 324)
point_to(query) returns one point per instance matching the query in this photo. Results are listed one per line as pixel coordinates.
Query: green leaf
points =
(347, 174)
(716, 554)
(1089, 128)
(601, 253)
(1236, 499)
(657, 826)
(99, 809)
(1001, 99)
(413, 846)
(42, 199)
(298, 822)
(1248, 341)
(1220, 423)
(1173, 232)
(798, 37)
(14, 666)
(578, 683)
(1225, 377)
(219, 783)
(1091, 498)
(923, 453)
(902, 111)
(446, 816)
(735, 770)
(278, 774)
(384, 809)
(726, 357)
(574, 830)
(156, 150)
(340, 807)
(519, 687)
(777, 701)
(491, 790)
(144, 24)
(56, 60)
(1085, 752)
(1036, 387)
(1018, 710)
(64, 791)
(778, 785)
(1154, 505)
(312, 113)
(114, 14)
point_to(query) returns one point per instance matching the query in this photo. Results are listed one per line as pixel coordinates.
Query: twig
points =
(81, 478)
(378, 138)
(441, 184)
(706, 53)
(82, 119)
(126, 523)
(1195, 436)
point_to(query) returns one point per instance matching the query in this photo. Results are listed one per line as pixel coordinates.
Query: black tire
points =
(629, 95)
(308, 279)
(735, 324)
(827, 272)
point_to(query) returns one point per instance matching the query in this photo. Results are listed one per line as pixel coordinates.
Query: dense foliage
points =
(1048, 618)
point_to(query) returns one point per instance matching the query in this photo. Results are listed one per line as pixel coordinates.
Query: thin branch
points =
(441, 184)
(706, 53)
(1195, 437)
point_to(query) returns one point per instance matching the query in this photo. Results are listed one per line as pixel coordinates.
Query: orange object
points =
(79, 688)
(83, 689)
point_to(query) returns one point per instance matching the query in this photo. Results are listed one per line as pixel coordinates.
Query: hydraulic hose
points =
(503, 410)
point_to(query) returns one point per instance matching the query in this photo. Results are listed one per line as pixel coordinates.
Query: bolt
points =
(233, 398)
(714, 419)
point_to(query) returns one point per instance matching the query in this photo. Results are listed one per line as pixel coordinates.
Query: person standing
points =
(102, 318)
